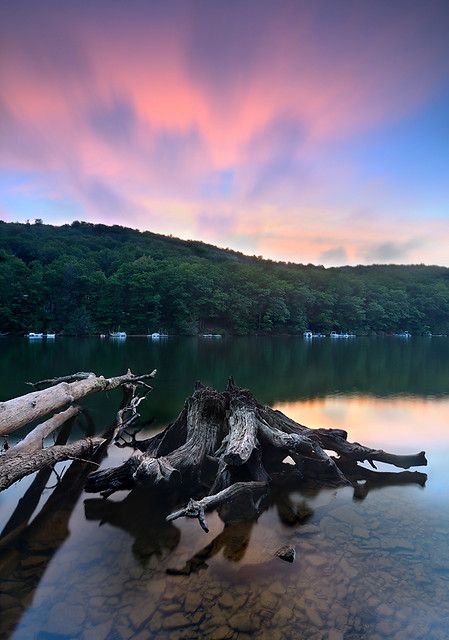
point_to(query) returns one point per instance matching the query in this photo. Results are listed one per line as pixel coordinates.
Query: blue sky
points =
(304, 131)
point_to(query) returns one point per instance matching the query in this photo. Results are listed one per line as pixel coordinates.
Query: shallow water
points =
(80, 567)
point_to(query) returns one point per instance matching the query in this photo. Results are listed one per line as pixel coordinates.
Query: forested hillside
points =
(84, 278)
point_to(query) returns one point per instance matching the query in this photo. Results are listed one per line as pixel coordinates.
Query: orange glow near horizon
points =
(254, 127)
(405, 425)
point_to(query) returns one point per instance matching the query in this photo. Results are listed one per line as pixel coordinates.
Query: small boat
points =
(157, 335)
(120, 335)
(35, 336)
(308, 335)
(334, 334)
(50, 336)
(211, 335)
(102, 335)
(403, 334)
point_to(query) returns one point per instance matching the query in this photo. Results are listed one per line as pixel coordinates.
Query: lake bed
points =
(83, 567)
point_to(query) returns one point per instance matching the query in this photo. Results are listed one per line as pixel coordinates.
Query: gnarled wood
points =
(203, 419)
(224, 446)
(22, 464)
(20, 411)
(34, 440)
(198, 508)
(242, 435)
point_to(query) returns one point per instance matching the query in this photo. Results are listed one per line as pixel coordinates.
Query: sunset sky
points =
(310, 131)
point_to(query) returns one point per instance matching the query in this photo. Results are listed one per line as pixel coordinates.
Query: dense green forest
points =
(84, 278)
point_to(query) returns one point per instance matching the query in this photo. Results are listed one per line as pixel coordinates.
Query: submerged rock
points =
(242, 622)
(287, 553)
(176, 621)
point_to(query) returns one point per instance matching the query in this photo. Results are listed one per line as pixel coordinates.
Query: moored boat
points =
(121, 335)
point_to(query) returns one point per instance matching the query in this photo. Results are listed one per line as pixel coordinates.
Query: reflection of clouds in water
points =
(403, 423)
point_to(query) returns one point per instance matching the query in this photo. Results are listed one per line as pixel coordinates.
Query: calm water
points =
(75, 566)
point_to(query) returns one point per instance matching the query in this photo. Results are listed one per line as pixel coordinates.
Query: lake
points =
(76, 566)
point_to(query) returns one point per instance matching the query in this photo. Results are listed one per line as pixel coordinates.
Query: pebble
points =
(242, 622)
(175, 621)
(287, 553)
(226, 600)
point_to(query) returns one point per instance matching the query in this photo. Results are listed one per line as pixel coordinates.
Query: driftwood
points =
(226, 449)
(29, 455)
(22, 463)
(23, 410)
(35, 439)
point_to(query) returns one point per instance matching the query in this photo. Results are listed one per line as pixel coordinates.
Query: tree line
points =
(85, 278)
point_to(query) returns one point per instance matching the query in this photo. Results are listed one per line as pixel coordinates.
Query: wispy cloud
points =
(225, 121)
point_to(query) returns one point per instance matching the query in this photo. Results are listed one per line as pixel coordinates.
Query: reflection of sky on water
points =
(399, 425)
(376, 390)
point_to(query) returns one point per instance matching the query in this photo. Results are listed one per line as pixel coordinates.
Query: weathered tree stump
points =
(226, 448)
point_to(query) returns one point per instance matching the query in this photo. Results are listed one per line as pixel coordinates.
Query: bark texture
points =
(29, 455)
(23, 410)
(226, 449)
(22, 464)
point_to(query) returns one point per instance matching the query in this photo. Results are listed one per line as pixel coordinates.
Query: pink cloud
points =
(132, 109)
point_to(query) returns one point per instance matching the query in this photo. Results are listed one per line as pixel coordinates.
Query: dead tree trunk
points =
(18, 412)
(29, 455)
(22, 464)
(227, 446)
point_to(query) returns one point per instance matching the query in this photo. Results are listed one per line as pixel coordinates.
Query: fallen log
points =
(225, 448)
(35, 439)
(29, 455)
(22, 463)
(23, 410)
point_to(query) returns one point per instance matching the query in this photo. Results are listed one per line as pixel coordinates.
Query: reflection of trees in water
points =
(276, 369)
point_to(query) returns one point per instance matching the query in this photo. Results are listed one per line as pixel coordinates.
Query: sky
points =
(307, 131)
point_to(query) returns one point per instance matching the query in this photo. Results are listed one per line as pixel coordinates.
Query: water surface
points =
(75, 566)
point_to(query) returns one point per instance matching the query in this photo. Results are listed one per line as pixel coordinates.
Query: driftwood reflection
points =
(142, 514)
(24, 557)
(233, 541)
(27, 548)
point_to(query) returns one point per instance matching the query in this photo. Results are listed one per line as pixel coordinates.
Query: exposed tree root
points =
(227, 449)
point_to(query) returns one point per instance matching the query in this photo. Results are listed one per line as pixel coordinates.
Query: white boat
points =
(102, 335)
(121, 335)
(157, 336)
(403, 334)
(211, 335)
(35, 336)
(308, 335)
(50, 336)
(334, 334)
